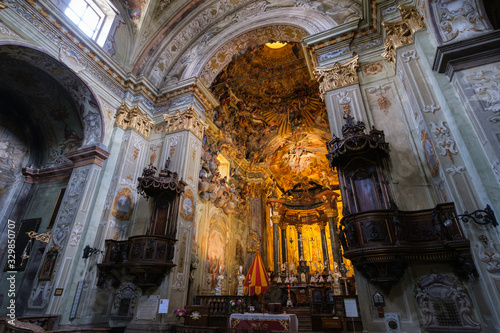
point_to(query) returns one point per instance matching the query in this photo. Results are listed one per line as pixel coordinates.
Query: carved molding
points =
(337, 76)
(440, 295)
(134, 119)
(186, 120)
(411, 16)
(489, 254)
(401, 33)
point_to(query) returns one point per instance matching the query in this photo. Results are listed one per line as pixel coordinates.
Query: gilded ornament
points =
(187, 205)
(412, 17)
(339, 75)
(123, 204)
(134, 119)
(185, 120)
(253, 242)
(401, 33)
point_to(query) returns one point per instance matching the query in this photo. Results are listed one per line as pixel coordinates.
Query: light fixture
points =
(481, 217)
(45, 237)
(89, 251)
(276, 45)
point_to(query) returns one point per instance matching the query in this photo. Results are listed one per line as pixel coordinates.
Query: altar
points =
(263, 321)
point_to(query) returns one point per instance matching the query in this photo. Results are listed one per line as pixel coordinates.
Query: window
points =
(93, 19)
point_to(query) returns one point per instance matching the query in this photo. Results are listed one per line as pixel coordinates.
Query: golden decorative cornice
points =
(134, 119)
(331, 212)
(283, 225)
(276, 219)
(322, 225)
(401, 33)
(412, 17)
(339, 75)
(186, 120)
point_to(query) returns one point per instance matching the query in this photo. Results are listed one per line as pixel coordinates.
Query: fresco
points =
(215, 262)
(271, 114)
(14, 152)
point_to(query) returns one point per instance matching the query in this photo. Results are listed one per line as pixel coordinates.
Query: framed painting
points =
(123, 204)
(49, 264)
(22, 242)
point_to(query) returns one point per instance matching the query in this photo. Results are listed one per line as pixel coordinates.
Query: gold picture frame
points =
(187, 205)
(123, 204)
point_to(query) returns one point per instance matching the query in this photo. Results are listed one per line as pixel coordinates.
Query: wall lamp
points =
(481, 217)
(39, 237)
(89, 251)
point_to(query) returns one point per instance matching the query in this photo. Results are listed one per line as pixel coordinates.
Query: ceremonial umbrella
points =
(256, 278)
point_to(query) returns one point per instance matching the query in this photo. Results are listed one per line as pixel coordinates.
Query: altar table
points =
(264, 321)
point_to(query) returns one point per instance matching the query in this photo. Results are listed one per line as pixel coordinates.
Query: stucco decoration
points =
(383, 102)
(444, 302)
(135, 119)
(127, 293)
(69, 206)
(172, 44)
(217, 22)
(5, 31)
(339, 75)
(489, 254)
(185, 120)
(457, 20)
(214, 62)
(444, 141)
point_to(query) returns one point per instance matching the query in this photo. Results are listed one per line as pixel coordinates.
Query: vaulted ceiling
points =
(169, 40)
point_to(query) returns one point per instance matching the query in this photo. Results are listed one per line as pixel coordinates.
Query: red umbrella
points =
(257, 277)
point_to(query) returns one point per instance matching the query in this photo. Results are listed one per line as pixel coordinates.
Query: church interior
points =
(249, 166)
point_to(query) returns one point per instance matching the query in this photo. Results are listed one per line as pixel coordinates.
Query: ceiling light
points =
(276, 45)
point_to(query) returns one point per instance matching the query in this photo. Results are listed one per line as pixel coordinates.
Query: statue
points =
(218, 287)
(336, 284)
(303, 277)
(241, 279)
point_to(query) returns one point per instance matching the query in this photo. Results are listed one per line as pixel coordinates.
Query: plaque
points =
(147, 307)
(351, 308)
(163, 306)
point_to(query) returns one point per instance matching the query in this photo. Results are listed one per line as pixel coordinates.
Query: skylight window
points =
(84, 16)
(93, 20)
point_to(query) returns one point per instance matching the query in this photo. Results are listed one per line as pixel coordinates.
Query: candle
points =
(220, 269)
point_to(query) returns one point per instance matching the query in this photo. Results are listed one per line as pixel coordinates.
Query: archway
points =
(266, 145)
(47, 112)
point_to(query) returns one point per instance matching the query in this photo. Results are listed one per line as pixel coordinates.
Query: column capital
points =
(185, 120)
(330, 212)
(283, 225)
(135, 119)
(322, 225)
(337, 76)
(401, 33)
(275, 219)
(299, 227)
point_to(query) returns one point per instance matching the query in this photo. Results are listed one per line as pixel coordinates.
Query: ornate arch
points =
(79, 92)
(181, 57)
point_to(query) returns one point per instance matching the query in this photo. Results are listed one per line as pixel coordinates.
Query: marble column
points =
(283, 242)
(276, 242)
(332, 215)
(324, 244)
(299, 242)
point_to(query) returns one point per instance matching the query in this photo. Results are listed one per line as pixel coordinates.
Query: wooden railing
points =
(147, 257)
(382, 243)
